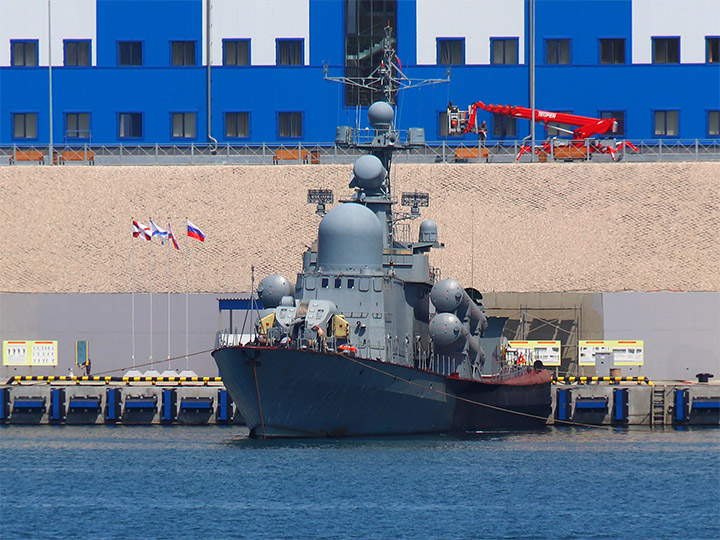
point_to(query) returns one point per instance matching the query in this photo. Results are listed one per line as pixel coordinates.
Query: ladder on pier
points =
(658, 405)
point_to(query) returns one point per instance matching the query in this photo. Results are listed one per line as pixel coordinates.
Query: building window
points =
(289, 52)
(77, 125)
(667, 123)
(443, 124)
(666, 50)
(25, 126)
(237, 124)
(183, 53)
(557, 51)
(619, 117)
(24, 53)
(714, 123)
(183, 125)
(612, 51)
(236, 52)
(365, 24)
(556, 129)
(130, 125)
(712, 50)
(77, 52)
(130, 53)
(504, 51)
(504, 126)
(290, 124)
(451, 52)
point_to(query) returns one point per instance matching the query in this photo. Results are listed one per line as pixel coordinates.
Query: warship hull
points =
(302, 393)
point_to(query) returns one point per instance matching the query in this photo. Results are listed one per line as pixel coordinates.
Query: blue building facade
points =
(155, 71)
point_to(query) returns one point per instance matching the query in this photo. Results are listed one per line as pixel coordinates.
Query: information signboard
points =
(548, 352)
(622, 352)
(30, 353)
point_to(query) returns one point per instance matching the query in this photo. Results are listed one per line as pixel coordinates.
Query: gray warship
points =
(369, 340)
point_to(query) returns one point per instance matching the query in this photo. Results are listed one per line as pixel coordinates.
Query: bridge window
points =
(325, 283)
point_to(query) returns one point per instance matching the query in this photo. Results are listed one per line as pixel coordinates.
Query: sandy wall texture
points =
(506, 227)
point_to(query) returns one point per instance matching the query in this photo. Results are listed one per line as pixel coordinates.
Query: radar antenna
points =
(388, 77)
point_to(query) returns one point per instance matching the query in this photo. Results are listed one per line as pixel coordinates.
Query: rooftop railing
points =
(314, 153)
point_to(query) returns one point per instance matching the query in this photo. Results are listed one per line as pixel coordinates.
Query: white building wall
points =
(260, 21)
(691, 20)
(681, 330)
(475, 20)
(28, 19)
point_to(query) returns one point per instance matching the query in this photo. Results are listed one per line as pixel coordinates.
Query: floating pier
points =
(616, 401)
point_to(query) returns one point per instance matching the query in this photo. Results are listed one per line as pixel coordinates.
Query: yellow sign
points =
(30, 353)
(548, 352)
(622, 352)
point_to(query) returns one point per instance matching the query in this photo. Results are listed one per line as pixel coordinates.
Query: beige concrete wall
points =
(506, 227)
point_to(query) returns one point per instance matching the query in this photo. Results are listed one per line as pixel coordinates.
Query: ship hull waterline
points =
(301, 393)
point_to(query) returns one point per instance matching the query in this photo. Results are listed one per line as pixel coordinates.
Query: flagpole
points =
(151, 305)
(187, 305)
(168, 296)
(132, 274)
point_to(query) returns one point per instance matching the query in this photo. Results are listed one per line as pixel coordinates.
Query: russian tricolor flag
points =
(195, 232)
(172, 237)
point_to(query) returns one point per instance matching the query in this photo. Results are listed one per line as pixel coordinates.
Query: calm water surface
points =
(214, 483)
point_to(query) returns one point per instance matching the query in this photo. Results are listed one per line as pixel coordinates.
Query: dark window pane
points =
(77, 125)
(504, 51)
(183, 125)
(289, 52)
(712, 47)
(236, 52)
(557, 51)
(666, 50)
(504, 126)
(25, 125)
(183, 53)
(237, 124)
(290, 124)
(77, 53)
(667, 123)
(450, 52)
(612, 51)
(365, 23)
(130, 53)
(130, 125)
(556, 129)
(24, 53)
(619, 116)
(714, 123)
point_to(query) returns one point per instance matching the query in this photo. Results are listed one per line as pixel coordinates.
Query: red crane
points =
(461, 122)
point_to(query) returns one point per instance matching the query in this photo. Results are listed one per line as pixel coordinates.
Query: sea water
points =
(212, 482)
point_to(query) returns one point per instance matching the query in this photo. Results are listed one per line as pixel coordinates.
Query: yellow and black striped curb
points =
(590, 380)
(53, 378)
